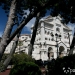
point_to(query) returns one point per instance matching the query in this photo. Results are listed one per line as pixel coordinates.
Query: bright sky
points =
(26, 29)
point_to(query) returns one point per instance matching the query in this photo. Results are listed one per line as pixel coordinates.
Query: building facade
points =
(53, 39)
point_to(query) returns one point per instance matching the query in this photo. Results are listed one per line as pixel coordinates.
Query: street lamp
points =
(48, 54)
(57, 36)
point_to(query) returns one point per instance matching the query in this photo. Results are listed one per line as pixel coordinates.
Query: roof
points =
(22, 35)
(25, 34)
(52, 18)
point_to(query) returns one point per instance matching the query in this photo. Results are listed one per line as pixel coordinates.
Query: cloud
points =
(72, 26)
(27, 28)
(29, 24)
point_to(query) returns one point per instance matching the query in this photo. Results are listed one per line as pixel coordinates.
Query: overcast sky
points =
(26, 29)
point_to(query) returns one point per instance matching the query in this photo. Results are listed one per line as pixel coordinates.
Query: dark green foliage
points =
(4, 57)
(24, 65)
(19, 58)
(58, 66)
(22, 5)
(39, 62)
(66, 8)
(25, 68)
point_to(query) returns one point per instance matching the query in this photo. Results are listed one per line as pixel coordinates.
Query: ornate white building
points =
(53, 39)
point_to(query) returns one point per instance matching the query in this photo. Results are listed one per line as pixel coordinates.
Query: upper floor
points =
(51, 29)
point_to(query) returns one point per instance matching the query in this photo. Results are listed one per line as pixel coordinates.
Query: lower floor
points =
(50, 52)
(46, 51)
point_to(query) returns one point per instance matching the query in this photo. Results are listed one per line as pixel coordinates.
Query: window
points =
(45, 32)
(48, 33)
(45, 38)
(65, 37)
(57, 29)
(45, 52)
(52, 34)
(22, 37)
(49, 39)
(52, 39)
(40, 46)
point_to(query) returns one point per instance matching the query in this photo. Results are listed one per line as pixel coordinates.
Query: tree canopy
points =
(22, 57)
(66, 8)
(25, 68)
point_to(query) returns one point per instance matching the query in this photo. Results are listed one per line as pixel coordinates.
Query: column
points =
(42, 32)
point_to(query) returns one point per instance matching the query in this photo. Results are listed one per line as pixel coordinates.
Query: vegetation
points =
(25, 68)
(22, 57)
(66, 8)
(62, 66)
(4, 57)
(25, 65)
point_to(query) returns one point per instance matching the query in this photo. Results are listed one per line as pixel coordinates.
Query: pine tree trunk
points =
(34, 34)
(29, 17)
(8, 28)
(12, 51)
(7, 61)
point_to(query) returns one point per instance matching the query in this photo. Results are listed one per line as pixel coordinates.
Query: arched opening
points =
(61, 51)
(57, 29)
(50, 53)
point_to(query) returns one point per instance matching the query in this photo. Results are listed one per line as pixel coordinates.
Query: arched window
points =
(45, 38)
(57, 29)
(45, 31)
(61, 50)
(48, 32)
(40, 45)
(50, 53)
(52, 39)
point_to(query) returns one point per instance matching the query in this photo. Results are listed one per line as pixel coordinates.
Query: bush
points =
(62, 66)
(25, 68)
(22, 57)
